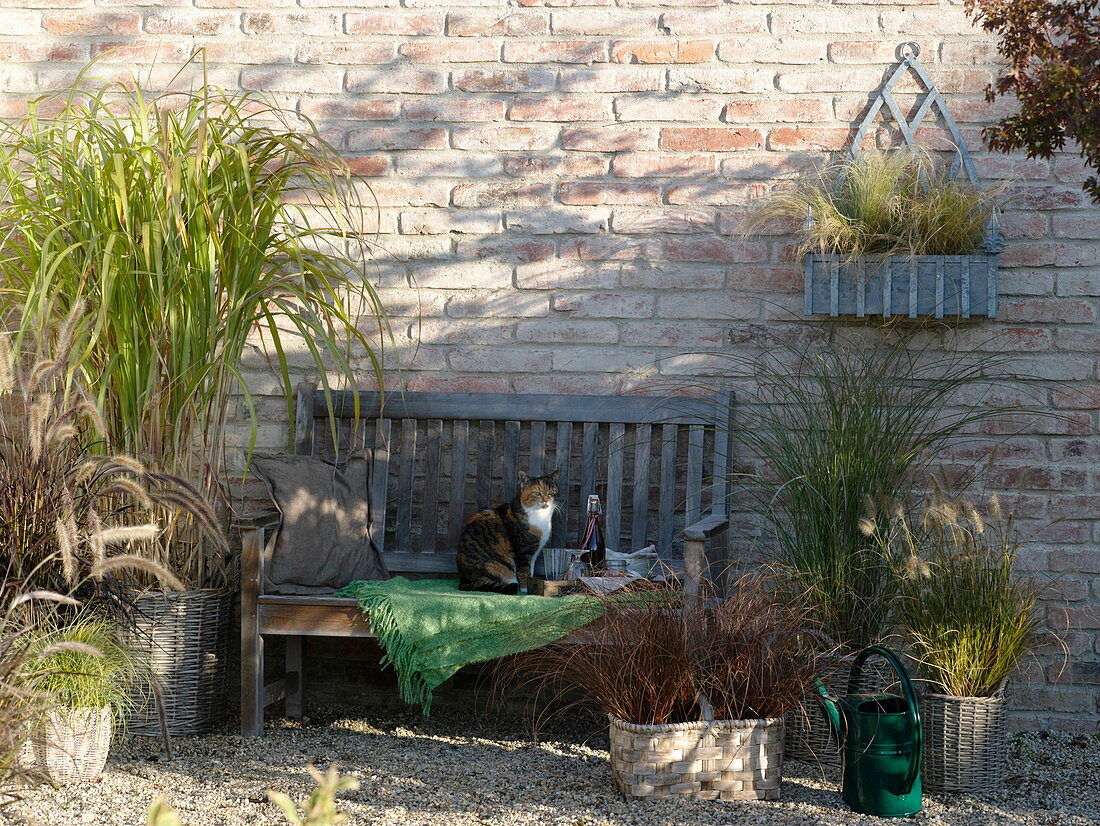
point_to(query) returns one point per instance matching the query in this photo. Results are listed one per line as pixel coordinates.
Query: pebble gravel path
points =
(463, 768)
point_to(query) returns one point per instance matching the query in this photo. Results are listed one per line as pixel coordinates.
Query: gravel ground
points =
(464, 768)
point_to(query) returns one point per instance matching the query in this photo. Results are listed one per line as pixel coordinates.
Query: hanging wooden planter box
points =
(936, 286)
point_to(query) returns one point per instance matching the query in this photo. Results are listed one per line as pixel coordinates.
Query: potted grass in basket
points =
(969, 618)
(695, 693)
(87, 678)
(892, 233)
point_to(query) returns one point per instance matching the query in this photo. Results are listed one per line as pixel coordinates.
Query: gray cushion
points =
(323, 540)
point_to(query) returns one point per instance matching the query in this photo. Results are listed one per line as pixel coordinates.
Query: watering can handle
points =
(910, 699)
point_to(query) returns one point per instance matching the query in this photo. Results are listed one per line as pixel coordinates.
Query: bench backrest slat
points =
(561, 462)
(433, 467)
(379, 483)
(657, 463)
(510, 471)
(642, 454)
(456, 512)
(500, 407)
(616, 437)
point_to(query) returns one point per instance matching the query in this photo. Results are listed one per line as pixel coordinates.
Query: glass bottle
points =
(593, 540)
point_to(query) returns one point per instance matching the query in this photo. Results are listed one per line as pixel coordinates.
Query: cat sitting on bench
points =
(499, 541)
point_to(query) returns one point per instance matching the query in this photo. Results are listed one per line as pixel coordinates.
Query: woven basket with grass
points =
(720, 760)
(965, 743)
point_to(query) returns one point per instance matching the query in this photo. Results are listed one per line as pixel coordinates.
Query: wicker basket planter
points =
(965, 743)
(185, 636)
(70, 745)
(962, 286)
(810, 737)
(722, 760)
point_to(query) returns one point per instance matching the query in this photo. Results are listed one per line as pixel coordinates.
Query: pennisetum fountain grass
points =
(966, 611)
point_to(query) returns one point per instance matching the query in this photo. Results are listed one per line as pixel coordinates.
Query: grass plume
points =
(968, 614)
(66, 512)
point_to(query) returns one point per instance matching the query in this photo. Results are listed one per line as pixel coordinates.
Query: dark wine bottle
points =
(593, 540)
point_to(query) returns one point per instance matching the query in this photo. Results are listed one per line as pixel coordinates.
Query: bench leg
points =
(252, 641)
(295, 682)
(252, 681)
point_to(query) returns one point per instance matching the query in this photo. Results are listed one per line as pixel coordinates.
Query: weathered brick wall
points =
(561, 186)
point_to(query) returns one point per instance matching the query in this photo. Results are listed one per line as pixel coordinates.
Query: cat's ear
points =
(524, 479)
(553, 475)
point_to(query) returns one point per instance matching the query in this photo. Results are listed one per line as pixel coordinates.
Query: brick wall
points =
(561, 185)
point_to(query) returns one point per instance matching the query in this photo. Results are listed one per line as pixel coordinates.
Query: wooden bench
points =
(660, 466)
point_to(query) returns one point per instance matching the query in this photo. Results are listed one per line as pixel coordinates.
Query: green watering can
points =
(881, 737)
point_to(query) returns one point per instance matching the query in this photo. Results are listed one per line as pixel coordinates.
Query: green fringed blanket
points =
(429, 629)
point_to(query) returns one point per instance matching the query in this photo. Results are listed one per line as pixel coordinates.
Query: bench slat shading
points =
(485, 457)
(641, 486)
(657, 464)
(722, 452)
(429, 517)
(304, 423)
(456, 512)
(616, 438)
(537, 461)
(665, 526)
(589, 460)
(405, 482)
(379, 483)
(524, 407)
(561, 462)
(694, 474)
(511, 460)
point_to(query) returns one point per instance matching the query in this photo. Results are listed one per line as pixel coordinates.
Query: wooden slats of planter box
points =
(723, 760)
(924, 285)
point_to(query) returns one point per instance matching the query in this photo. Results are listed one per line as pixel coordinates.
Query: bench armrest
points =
(266, 518)
(707, 527)
(695, 550)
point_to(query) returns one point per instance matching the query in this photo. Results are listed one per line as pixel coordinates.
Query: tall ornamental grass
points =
(903, 202)
(197, 229)
(842, 432)
(968, 614)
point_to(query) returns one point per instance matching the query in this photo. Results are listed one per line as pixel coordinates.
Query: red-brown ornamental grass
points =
(656, 660)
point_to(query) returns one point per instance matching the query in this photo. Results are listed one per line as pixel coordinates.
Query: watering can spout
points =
(832, 713)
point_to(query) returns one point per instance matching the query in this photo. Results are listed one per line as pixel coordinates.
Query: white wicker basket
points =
(70, 745)
(721, 760)
(965, 743)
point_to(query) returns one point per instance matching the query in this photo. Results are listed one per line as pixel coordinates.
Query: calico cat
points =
(497, 542)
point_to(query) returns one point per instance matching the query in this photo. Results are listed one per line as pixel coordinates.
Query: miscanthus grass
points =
(840, 430)
(204, 233)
